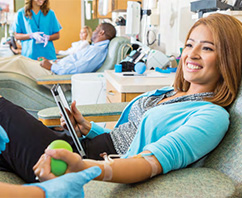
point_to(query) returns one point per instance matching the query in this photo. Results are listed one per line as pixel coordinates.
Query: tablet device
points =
(62, 103)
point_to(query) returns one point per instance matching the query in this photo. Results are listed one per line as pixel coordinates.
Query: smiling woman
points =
(216, 54)
(158, 131)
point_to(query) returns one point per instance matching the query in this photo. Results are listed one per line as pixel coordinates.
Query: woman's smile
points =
(193, 67)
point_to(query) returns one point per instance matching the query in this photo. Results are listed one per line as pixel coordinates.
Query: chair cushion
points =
(11, 178)
(117, 46)
(189, 182)
(227, 157)
(24, 91)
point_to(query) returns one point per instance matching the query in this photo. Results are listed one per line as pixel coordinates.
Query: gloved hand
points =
(68, 185)
(46, 39)
(3, 139)
(37, 36)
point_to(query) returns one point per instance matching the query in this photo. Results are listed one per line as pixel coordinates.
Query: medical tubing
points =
(108, 171)
(122, 50)
(147, 37)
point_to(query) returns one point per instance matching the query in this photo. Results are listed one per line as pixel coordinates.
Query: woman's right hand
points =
(81, 125)
(42, 169)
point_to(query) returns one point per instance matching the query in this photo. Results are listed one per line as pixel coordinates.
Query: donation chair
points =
(117, 50)
(33, 97)
(25, 92)
(219, 176)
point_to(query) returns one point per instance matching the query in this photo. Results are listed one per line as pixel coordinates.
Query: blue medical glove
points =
(46, 39)
(68, 185)
(3, 139)
(37, 36)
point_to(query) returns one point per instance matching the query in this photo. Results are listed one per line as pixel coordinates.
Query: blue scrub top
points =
(37, 23)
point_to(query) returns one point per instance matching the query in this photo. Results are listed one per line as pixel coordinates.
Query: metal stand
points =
(4, 39)
(204, 6)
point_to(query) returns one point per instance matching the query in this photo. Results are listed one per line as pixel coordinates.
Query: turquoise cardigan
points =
(177, 134)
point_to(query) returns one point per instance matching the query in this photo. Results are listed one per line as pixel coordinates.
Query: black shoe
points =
(12, 41)
(10, 46)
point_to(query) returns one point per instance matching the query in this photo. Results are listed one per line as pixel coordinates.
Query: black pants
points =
(29, 138)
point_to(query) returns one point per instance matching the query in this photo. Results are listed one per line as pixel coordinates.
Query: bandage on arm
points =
(130, 170)
(153, 162)
(149, 157)
(108, 170)
(105, 165)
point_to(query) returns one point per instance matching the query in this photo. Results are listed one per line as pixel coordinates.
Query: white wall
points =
(175, 22)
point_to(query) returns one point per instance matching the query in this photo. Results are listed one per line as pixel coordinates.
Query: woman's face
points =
(83, 34)
(38, 2)
(199, 59)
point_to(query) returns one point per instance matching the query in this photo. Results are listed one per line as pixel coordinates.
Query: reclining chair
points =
(219, 176)
(33, 97)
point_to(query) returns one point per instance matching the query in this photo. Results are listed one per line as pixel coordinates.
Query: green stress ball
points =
(58, 167)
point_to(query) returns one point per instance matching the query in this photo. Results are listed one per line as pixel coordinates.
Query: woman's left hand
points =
(42, 168)
(46, 39)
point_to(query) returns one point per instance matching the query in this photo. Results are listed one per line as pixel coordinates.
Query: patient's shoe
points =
(15, 51)
(13, 42)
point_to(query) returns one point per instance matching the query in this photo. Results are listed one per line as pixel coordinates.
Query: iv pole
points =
(4, 23)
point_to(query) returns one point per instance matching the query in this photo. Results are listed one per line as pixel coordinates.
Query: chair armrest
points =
(58, 56)
(54, 79)
(97, 112)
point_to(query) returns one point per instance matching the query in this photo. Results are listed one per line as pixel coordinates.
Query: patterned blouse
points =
(123, 136)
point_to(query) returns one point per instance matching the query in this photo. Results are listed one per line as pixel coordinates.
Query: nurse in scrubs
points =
(37, 26)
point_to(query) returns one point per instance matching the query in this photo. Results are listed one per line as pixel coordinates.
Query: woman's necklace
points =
(37, 24)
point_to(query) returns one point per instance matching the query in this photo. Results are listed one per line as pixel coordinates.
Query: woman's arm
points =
(131, 170)
(20, 36)
(54, 36)
(11, 190)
